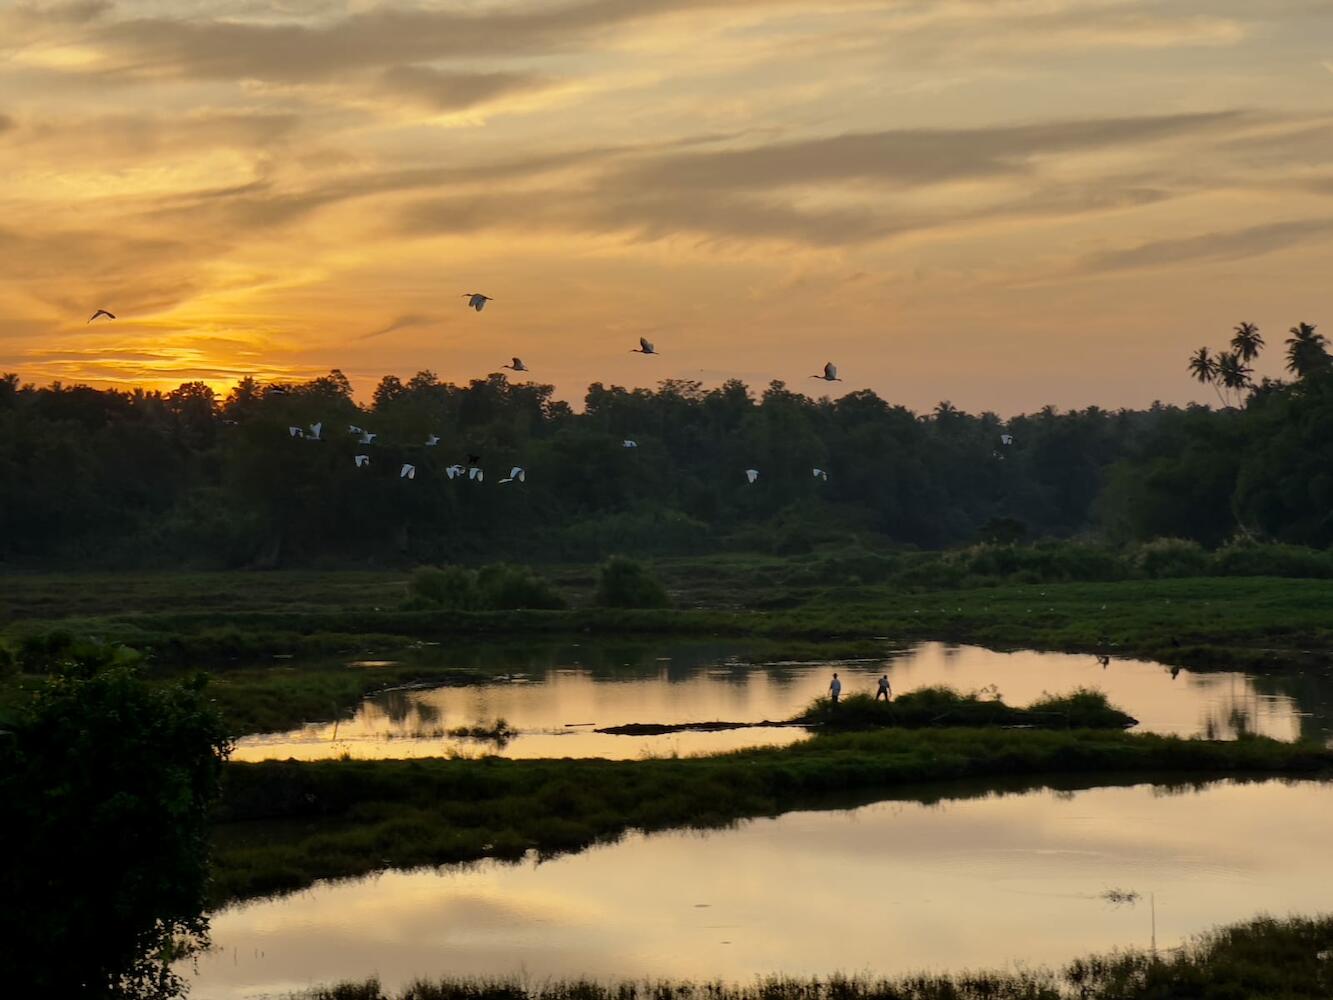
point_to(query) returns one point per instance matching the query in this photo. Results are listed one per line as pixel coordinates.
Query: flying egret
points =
(432, 440)
(275, 390)
(751, 475)
(476, 300)
(315, 431)
(517, 366)
(407, 472)
(362, 460)
(819, 474)
(476, 474)
(830, 373)
(1006, 439)
(645, 347)
(516, 475)
(627, 443)
(367, 437)
(101, 312)
(295, 432)
(353, 429)
(454, 470)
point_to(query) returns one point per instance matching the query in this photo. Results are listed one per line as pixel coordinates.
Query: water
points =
(886, 888)
(571, 691)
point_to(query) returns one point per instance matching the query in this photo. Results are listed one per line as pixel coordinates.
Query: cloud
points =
(6, 123)
(1236, 244)
(399, 323)
(440, 90)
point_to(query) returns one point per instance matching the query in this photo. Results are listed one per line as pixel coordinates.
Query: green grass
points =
(942, 706)
(1263, 958)
(283, 824)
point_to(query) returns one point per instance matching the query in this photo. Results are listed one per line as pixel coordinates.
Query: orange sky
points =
(1003, 203)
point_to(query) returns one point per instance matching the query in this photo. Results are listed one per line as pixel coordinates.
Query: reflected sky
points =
(884, 889)
(555, 702)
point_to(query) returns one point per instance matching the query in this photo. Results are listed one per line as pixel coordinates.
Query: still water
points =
(555, 703)
(886, 888)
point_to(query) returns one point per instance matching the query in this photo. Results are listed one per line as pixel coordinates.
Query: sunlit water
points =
(886, 888)
(556, 706)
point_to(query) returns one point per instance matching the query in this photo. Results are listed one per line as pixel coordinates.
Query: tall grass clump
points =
(943, 706)
(626, 583)
(497, 587)
(1171, 557)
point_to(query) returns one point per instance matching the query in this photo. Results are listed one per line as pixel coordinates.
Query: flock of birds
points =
(473, 472)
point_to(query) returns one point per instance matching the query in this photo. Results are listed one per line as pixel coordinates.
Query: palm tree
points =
(1202, 366)
(1307, 351)
(1234, 374)
(1247, 341)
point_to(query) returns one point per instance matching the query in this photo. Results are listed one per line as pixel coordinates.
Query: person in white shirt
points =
(835, 689)
(883, 689)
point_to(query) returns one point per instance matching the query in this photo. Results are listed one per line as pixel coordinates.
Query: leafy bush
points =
(624, 583)
(502, 587)
(1244, 558)
(1171, 557)
(451, 587)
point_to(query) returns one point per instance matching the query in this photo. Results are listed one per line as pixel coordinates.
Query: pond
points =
(557, 699)
(1035, 876)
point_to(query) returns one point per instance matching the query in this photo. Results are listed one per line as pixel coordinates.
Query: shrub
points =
(452, 587)
(502, 587)
(1171, 557)
(624, 583)
(1245, 558)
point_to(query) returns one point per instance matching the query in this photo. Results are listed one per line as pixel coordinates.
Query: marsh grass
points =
(943, 706)
(283, 824)
(1262, 958)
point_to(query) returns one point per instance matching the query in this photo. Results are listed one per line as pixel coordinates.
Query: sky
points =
(1001, 203)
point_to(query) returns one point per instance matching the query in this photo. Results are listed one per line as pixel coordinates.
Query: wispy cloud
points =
(404, 322)
(1236, 244)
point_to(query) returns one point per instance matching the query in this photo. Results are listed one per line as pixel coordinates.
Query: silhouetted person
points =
(1175, 672)
(1104, 660)
(835, 689)
(883, 689)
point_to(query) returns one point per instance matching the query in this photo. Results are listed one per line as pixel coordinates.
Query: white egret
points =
(315, 430)
(296, 432)
(476, 474)
(819, 474)
(517, 366)
(101, 312)
(454, 470)
(275, 390)
(476, 300)
(830, 373)
(432, 440)
(751, 475)
(1006, 439)
(407, 472)
(367, 437)
(627, 443)
(516, 475)
(362, 460)
(645, 347)
(353, 429)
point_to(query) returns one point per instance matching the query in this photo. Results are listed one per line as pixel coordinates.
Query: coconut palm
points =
(1202, 366)
(1247, 341)
(1307, 351)
(1234, 374)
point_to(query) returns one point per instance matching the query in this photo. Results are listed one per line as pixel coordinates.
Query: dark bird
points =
(473, 459)
(645, 347)
(101, 312)
(517, 366)
(830, 373)
(476, 300)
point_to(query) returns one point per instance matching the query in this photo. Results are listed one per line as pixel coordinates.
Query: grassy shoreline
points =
(282, 825)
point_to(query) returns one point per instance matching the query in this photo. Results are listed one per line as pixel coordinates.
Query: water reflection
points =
(885, 888)
(556, 696)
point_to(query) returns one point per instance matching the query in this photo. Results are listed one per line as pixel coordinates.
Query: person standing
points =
(884, 689)
(835, 689)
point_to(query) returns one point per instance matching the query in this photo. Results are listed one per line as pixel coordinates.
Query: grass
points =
(284, 824)
(942, 706)
(1276, 959)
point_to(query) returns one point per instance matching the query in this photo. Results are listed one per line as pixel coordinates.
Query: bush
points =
(1245, 558)
(1171, 557)
(624, 583)
(451, 587)
(502, 587)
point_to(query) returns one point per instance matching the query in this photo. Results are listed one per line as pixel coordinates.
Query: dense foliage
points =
(106, 783)
(109, 477)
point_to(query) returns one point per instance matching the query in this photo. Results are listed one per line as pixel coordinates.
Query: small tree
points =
(624, 583)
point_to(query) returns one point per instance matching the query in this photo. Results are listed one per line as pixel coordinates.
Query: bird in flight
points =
(432, 440)
(454, 470)
(353, 429)
(315, 431)
(1006, 439)
(819, 474)
(517, 366)
(276, 390)
(476, 300)
(407, 472)
(101, 312)
(830, 373)
(296, 432)
(476, 474)
(627, 443)
(645, 347)
(751, 475)
(362, 460)
(516, 475)
(367, 437)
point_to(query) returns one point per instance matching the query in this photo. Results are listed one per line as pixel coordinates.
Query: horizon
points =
(1006, 206)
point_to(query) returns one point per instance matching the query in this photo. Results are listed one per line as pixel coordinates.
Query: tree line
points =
(112, 478)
